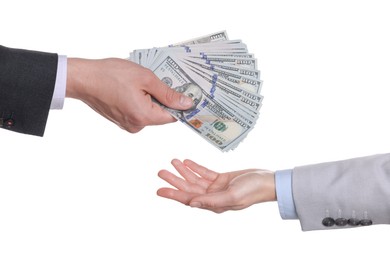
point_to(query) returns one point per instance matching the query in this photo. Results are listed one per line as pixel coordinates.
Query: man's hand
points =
(206, 189)
(122, 92)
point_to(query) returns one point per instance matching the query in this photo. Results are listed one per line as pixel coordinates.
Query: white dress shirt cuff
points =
(284, 195)
(58, 99)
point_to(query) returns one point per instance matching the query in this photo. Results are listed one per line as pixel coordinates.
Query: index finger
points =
(158, 115)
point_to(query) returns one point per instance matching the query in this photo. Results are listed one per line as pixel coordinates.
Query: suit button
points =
(366, 222)
(353, 222)
(328, 222)
(9, 122)
(341, 222)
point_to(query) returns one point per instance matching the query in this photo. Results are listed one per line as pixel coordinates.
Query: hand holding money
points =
(221, 78)
(122, 92)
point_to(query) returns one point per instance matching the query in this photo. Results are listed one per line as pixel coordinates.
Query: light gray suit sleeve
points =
(356, 190)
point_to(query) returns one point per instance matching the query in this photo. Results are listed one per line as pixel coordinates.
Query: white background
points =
(87, 190)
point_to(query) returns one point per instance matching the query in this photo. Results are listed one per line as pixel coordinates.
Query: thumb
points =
(170, 98)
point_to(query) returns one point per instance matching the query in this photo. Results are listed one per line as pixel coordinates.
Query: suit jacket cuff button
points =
(328, 222)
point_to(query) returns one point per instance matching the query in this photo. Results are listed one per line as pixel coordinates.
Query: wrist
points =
(263, 186)
(270, 190)
(77, 78)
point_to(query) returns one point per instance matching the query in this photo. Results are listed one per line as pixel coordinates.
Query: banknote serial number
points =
(214, 139)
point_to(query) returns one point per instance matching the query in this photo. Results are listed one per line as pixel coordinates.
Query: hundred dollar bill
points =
(207, 117)
(248, 115)
(214, 37)
(226, 47)
(248, 63)
(254, 73)
(247, 83)
(206, 54)
(145, 57)
(223, 47)
(246, 99)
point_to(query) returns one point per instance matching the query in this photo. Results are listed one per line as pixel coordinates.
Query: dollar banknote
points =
(213, 37)
(220, 76)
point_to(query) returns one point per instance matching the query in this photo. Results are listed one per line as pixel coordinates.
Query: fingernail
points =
(195, 204)
(185, 101)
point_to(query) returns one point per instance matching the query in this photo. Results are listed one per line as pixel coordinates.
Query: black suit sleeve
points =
(27, 80)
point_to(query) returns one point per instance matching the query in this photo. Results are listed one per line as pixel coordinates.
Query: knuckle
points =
(133, 129)
(148, 77)
(139, 120)
(170, 95)
(134, 123)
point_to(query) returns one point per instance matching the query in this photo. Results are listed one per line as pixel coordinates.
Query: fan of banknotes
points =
(222, 79)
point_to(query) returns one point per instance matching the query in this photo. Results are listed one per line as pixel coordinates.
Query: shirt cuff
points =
(57, 101)
(283, 184)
